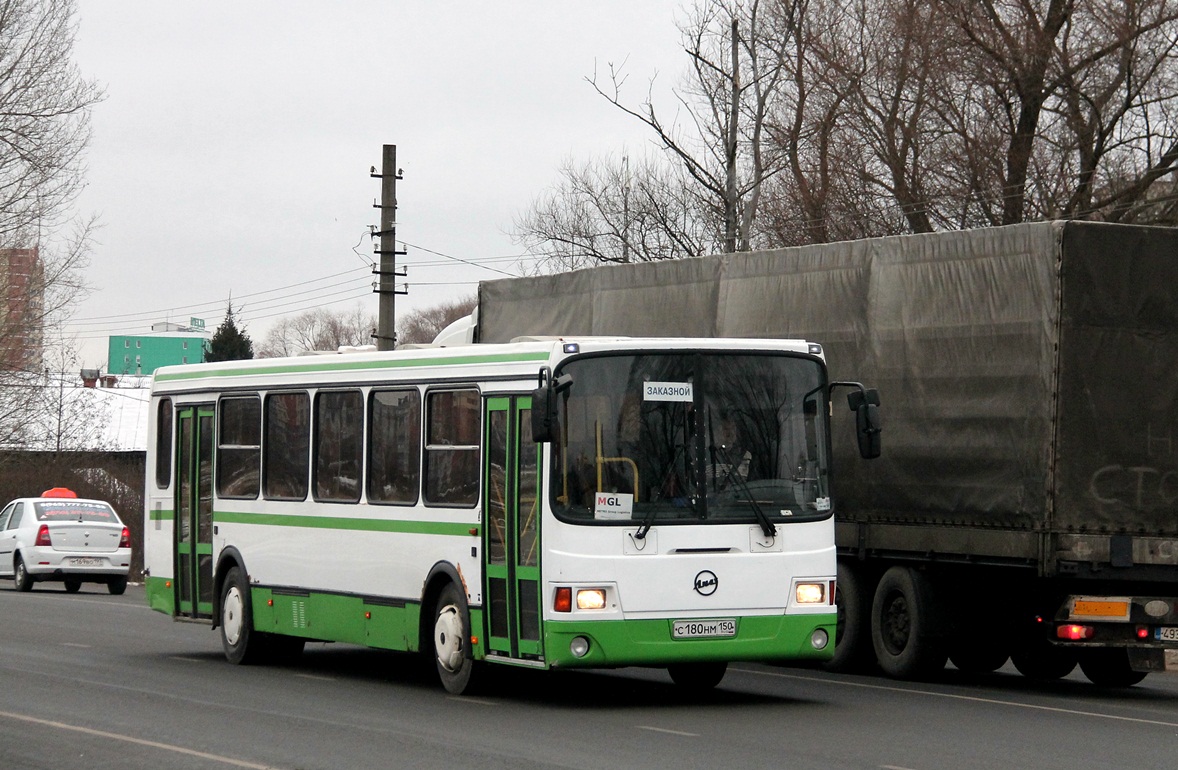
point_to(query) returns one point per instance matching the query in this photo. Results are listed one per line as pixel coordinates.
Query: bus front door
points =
(194, 512)
(511, 545)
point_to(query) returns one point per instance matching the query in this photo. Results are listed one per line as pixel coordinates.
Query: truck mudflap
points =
(1146, 627)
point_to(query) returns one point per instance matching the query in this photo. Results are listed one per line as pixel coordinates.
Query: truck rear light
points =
(1142, 632)
(1075, 633)
(563, 600)
(43, 536)
(125, 538)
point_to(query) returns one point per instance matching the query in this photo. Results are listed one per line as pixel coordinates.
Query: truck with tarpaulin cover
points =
(1025, 506)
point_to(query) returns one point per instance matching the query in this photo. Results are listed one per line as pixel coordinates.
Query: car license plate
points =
(703, 629)
(85, 561)
(1166, 634)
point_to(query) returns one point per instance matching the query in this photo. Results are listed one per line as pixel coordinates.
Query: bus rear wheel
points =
(451, 640)
(242, 645)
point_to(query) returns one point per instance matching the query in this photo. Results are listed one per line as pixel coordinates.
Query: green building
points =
(145, 353)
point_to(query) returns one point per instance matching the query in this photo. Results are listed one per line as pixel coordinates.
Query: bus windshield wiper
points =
(733, 475)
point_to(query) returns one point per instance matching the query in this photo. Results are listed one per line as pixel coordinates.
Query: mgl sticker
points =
(614, 506)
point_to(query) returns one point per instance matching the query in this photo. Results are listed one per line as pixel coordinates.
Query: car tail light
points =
(43, 536)
(125, 538)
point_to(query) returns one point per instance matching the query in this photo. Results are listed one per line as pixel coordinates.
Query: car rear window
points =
(75, 510)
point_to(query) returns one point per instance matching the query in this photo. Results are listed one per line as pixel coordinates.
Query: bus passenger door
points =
(194, 512)
(511, 546)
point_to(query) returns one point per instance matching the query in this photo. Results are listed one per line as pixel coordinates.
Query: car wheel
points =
(117, 585)
(451, 641)
(21, 576)
(241, 643)
(73, 586)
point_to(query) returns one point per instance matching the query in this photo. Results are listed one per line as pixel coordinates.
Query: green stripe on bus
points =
(160, 515)
(331, 522)
(319, 366)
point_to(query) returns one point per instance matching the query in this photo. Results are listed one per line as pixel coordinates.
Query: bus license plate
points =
(703, 629)
(1166, 634)
(85, 561)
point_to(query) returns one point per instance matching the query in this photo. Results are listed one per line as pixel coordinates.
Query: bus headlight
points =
(591, 598)
(810, 593)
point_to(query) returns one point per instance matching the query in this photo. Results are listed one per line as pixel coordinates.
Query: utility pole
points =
(386, 267)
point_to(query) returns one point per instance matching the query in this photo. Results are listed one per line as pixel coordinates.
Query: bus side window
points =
(286, 451)
(339, 439)
(239, 447)
(452, 447)
(163, 444)
(394, 446)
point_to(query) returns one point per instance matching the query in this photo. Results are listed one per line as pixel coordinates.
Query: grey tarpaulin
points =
(1029, 374)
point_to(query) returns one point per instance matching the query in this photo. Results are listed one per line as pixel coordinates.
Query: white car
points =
(59, 537)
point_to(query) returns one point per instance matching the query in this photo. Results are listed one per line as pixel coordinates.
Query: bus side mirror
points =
(865, 405)
(544, 402)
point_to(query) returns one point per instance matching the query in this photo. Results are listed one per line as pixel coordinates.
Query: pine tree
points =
(228, 342)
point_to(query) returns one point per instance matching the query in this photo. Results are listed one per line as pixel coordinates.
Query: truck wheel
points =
(1042, 662)
(1109, 668)
(905, 629)
(852, 642)
(975, 657)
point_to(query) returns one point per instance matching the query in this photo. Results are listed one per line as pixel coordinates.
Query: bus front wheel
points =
(451, 640)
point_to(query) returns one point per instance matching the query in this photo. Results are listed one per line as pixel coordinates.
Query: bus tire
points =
(852, 638)
(451, 640)
(697, 677)
(241, 643)
(21, 576)
(1109, 667)
(905, 628)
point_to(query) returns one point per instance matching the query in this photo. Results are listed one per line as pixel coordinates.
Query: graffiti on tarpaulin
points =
(1140, 486)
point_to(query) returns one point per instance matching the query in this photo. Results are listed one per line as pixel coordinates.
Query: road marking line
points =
(186, 660)
(138, 741)
(473, 701)
(969, 698)
(316, 677)
(669, 732)
(75, 644)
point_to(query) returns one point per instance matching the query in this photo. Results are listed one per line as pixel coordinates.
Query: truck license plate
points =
(703, 629)
(1166, 634)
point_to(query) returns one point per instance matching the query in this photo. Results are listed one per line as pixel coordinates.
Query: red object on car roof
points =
(59, 492)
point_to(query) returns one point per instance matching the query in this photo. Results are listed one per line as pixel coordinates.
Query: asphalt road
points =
(93, 681)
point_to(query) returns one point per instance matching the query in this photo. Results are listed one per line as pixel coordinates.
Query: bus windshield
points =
(678, 438)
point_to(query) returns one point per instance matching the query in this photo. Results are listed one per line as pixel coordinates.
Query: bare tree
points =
(422, 326)
(735, 53)
(318, 329)
(616, 210)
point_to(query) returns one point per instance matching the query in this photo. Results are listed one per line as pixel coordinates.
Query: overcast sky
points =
(231, 154)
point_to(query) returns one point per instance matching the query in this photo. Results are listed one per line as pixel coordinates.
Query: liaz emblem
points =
(706, 583)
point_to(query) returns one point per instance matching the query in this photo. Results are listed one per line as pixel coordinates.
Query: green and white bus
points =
(550, 503)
